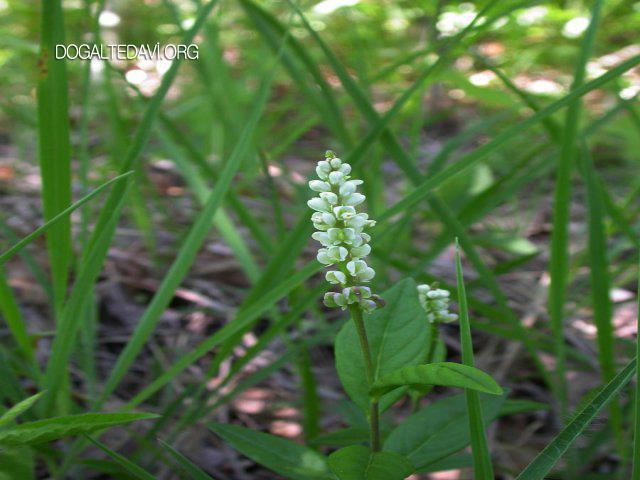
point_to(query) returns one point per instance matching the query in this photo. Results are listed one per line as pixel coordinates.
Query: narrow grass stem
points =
(356, 315)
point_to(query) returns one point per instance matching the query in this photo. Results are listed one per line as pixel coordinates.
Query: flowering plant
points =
(341, 234)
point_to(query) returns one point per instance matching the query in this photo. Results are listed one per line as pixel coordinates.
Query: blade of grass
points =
(15, 322)
(36, 271)
(482, 467)
(10, 252)
(468, 160)
(241, 321)
(635, 475)
(71, 315)
(600, 287)
(542, 464)
(125, 463)
(559, 250)
(53, 146)
(191, 469)
(271, 29)
(189, 248)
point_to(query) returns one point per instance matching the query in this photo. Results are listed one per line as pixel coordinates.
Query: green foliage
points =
(360, 463)
(282, 456)
(439, 429)
(398, 335)
(445, 374)
(41, 431)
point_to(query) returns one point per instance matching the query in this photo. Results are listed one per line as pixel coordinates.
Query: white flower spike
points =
(435, 302)
(340, 231)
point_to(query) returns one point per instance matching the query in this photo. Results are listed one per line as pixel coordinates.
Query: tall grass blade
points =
(559, 251)
(601, 285)
(470, 159)
(53, 145)
(189, 248)
(482, 467)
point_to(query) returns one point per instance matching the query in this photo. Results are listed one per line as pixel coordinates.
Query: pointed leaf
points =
(54, 428)
(398, 336)
(21, 407)
(358, 462)
(278, 454)
(445, 374)
(438, 430)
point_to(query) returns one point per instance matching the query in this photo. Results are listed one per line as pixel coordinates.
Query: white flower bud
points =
(329, 197)
(319, 204)
(319, 186)
(355, 199)
(336, 178)
(361, 251)
(335, 163)
(336, 277)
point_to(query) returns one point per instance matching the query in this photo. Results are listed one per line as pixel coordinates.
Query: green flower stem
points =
(356, 315)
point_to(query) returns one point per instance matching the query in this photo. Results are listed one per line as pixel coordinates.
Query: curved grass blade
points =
(189, 248)
(7, 254)
(468, 160)
(191, 469)
(128, 465)
(546, 459)
(482, 467)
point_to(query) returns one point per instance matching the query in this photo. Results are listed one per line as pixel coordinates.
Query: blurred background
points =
(459, 90)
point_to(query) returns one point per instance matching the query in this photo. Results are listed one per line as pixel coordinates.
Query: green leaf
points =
(546, 459)
(11, 414)
(358, 462)
(343, 437)
(445, 374)
(16, 463)
(128, 465)
(278, 454)
(438, 430)
(398, 336)
(49, 429)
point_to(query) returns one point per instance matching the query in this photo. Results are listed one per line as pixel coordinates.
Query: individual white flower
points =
(336, 277)
(340, 232)
(360, 270)
(435, 302)
(319, 186)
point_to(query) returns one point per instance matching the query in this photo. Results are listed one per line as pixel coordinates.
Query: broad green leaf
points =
(445, 374)
(49, 429)
(439, 429)
(278, 454)
(398, 336)
(343, 437)
(16, 463)
(358, 462)
(21, 407)
(546, 459)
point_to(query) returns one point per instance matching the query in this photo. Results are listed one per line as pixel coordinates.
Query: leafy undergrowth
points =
(161, 303)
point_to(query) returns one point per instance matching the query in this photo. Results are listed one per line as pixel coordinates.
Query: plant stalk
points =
(356, 315)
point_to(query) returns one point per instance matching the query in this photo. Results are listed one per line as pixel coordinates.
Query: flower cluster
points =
(435, 302)
(341, 233)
